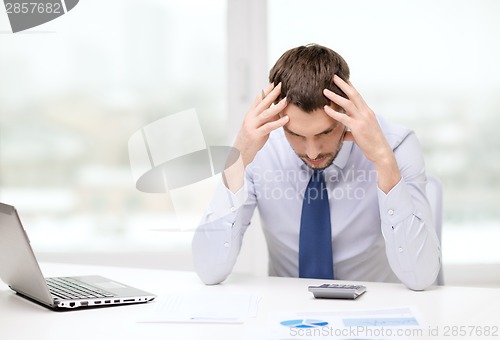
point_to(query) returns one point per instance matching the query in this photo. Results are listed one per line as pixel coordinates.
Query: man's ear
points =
(348, 137)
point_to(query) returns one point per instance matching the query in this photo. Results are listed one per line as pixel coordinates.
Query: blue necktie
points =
(315, 243)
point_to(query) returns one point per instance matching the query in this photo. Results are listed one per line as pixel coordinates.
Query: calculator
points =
(337, 291)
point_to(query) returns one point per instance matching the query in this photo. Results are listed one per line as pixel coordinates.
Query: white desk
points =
(440, 307)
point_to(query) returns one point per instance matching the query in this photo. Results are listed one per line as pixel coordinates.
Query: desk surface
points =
(444, 309)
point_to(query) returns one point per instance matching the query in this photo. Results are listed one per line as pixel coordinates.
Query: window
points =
(73, 91)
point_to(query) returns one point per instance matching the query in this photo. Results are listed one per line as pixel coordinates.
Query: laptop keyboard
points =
(67, 288)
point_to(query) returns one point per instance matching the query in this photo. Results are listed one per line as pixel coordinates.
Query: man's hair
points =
(304, 72)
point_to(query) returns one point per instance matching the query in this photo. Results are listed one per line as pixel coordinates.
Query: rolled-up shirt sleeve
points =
(412, 246)
(218, 238)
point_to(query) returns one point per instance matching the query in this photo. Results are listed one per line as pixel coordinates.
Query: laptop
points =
(20, 270)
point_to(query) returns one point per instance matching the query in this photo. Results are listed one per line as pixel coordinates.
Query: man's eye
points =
(292, 134)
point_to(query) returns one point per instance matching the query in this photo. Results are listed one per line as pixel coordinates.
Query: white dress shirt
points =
(375, 236)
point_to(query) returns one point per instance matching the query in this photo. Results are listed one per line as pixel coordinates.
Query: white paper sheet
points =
(204, 308)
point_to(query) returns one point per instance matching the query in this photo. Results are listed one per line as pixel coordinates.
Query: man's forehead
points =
(308, 123)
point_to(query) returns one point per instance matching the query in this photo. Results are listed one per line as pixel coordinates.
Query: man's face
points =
(314, 136)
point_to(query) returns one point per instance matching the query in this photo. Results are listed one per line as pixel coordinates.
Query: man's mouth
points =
(316, 161)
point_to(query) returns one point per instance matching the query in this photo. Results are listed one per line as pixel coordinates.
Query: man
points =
(309, 138)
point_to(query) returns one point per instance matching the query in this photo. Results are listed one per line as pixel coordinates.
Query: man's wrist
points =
(388, 174)
(233, 175)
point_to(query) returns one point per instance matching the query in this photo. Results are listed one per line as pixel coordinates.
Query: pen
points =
(216, 319)
(212, 318)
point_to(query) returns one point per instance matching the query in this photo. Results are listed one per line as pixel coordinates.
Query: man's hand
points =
(260, 120)
(365, 132)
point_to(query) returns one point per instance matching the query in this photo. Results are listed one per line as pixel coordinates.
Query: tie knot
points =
(317, 175)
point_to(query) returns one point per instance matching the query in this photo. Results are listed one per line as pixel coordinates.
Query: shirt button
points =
(400, 249)
(390, 212)
(233, 209)
(226, 245)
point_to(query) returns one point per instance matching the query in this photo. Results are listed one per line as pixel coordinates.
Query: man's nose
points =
(313, 149)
